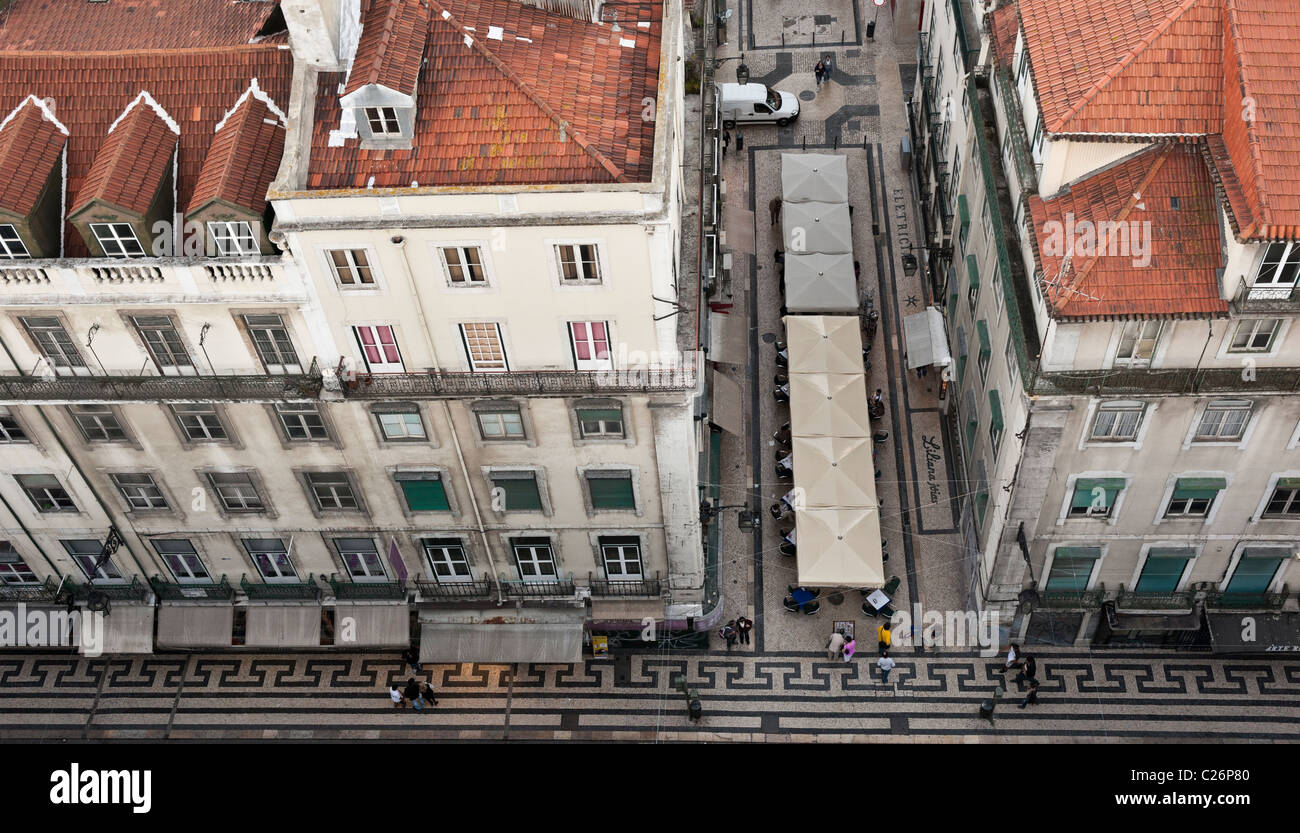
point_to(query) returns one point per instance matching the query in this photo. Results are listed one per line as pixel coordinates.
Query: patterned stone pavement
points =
(935, 698)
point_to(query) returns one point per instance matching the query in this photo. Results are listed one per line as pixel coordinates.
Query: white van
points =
(755, 103)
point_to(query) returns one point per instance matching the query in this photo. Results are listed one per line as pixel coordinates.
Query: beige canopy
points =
(824, 343)
(828, 405)
(834, 472)
(839, 548)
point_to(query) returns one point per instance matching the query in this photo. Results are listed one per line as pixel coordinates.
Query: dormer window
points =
(11, 243)
(233, 239)
(383, 121)
(117, 239)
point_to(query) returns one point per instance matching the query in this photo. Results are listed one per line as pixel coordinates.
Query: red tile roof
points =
(117, 25)
(30, 146)
(391, 48)
(1004, 24)
(554, 100)
(1152, 260)
(243, 159)
(131, 163)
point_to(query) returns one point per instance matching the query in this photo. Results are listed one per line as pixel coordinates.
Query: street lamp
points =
(742, 71)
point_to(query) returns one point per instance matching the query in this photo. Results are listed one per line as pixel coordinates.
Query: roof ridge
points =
(175, 50)
(1252, 139)
(1127, 59)
(565, 127)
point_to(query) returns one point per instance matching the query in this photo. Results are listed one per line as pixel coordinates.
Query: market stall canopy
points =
(829, 405)
(816, 227)
(547, 642)
(728, 338)
(926, 339)
(834, 472)
(824, 343)
(814, 177)
(839, 548)
(820, 283)
(728, 405)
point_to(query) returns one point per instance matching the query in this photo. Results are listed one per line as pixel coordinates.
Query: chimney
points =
(323, 33)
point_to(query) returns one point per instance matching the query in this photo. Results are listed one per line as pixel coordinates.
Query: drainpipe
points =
(400, 242)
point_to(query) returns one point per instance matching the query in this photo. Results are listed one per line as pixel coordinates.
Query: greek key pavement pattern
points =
(752, 697)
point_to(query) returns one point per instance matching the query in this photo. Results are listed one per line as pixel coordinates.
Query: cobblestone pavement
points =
(766, 697)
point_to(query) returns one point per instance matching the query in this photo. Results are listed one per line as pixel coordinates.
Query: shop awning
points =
(449, 642)
(816, 227)
(128, 629)
(195, 625)
(834, 472)
(636, 610)
(728, 404)
(820, 283)
(824, 343)
(814, 177)
(926, 339)
(283, 625)
(1264, 633)
(839, 548)
(373, 625)
(728, 338)
(829, 405)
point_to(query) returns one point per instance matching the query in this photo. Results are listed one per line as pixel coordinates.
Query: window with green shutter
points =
(611, 490)
(963, 212)
(517, 492)
(995, 420)
(1163, 570)
(973, 270)
(981, 505)
(1193, 496)
(1072, 568)
(425, 494)
(1285, 500)
(1095, 497)
(1256, 569)
(961, 352)
(986, 348)
(600, 422)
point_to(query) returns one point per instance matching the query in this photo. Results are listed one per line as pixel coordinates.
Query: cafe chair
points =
(867, 609)
(790, 604)
(788, 549)
(782, 436)
(812, 607)
(781, 379)
(780, 396)
(891, 587)
(779, 510)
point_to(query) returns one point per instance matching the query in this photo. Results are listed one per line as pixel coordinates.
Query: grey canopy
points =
(820, 283)
(814, 177)
(816, 228)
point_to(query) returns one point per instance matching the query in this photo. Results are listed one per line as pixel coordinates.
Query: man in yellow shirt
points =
(884, 637)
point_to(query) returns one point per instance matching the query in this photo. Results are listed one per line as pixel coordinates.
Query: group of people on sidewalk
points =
(414, 693)
(842, 646)
(1028, 673)
(736, 629)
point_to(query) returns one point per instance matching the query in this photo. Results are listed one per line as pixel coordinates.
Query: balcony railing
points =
(435, 591)
(519, 589)
(308, 589)
(635, 587)
(388, 590)
(1248, 601)
(155, 388)
(134, 590)
(1137, 600)
(1072, 599)
(44, 592)
(1254, 298)
(521, 382)
(1176, 380)
(174, 592)
(122, 273)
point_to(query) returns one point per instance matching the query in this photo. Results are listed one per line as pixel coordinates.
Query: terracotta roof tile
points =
(131, 162)
(30, 145)
(78, 26)
(1156, 260)
(391, 48)
(1005, 26)
(243, 159)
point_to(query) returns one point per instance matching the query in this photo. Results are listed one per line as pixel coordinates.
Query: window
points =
(1255, 335)
(361, 558)
(464, 265)
(1193, 496)
(98, 423)
(1285, 500)
(973, 272)
(483, 346)
(401, 425)
(86, 553)
(1256, 569)
(379, 348)
(995, 421)
(1280, 266)
(301, 421)
(1224, 420)
(447, 560)
(622, 558)
(961, 347)
(55, 344)
(11, 243)
(1163, 570)
(13, 570)
(351, 267)
(611, 490)
(986, 349)
(600, 423)
(117, 239)
(534, 558)
(332, 491)
(996, 284)
(1013, 366)
(271, 341)
(383, 120)
(236, 491)
(972, 421)
(163, 341)
(1095, 498)
(578, 263)
(1117, 421)
(271, 558)
(989, 219)
(590, 340)
(516, 491)
(500, 422)
(45, 493)
(200, 422)
(424, 492)
(233, 239)
(10, 430)
(1072, 568)
(1137, 343)
(140, 491)
(182, 559)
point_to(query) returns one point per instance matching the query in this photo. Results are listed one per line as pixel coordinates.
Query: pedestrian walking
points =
(885, 664)
(743, 627)
(726, 140)
(740, 140)
(426, 690)
(774, 208)
(819, 71)
(884, 637)
(826, 70)
(728, 632)
(412, 658)
(835, 647)
(1028, 671)
(849, 648)
(1032, 696)
(1012, 662)
(412, 692)
(399, 702)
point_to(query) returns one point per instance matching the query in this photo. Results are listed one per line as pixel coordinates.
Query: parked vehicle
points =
(755, 104)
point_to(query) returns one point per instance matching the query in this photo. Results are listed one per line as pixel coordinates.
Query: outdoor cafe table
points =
(878, 599)
(802, 596)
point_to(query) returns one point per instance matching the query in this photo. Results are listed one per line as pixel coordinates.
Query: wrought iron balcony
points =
(1247, 601)
(521, 383)
(45, 592)
(1265, 298)
(174, 592)
(1137, 600)
(134, 590)
(635, 587)
(27, 388)
(454, 591)
(346, 590)
(308, 589)
(556, 587)
(1072, 599)
(1176, 380)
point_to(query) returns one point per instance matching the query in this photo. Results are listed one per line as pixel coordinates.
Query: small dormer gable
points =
(32, 144)
(380, 91)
